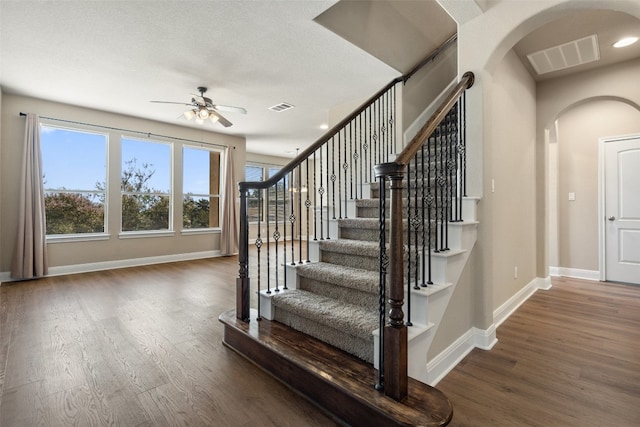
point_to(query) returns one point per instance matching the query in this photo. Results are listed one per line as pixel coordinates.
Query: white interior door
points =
(622, 209)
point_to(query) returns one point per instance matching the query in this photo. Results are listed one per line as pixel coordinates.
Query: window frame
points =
(169, 231)
(203, 230)
(71, 237)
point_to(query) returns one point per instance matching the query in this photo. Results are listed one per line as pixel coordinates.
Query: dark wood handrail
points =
(297, 161)
(416, 143)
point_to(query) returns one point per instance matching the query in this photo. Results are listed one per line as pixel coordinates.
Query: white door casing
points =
(620, 209)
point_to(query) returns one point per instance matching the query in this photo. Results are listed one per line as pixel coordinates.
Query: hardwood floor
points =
(134, 347)
(570, 356)
(143, 346)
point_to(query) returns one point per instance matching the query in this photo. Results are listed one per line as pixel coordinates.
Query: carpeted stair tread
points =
(328, 311)
(348, 277)
(347, 246)
(361, 223)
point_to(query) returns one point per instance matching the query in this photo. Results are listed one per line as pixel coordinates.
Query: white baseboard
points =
(575, 273)
(443, 363)
(109, 265)
(503, 312)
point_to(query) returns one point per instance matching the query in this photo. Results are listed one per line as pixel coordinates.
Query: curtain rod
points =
(148, 134)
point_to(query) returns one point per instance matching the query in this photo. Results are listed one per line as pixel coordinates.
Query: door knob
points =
(612, 218)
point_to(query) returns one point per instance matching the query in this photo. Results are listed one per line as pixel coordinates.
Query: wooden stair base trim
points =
(336, 381)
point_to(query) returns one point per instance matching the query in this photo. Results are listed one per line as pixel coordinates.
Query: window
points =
(75, 174)
(145, 185)
(278, 197)
(281, 190)
(254, 173)
(200, 188)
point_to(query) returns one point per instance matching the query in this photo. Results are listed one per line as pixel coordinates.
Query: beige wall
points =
(579, 130)
(64, 254)
(513, 203)
(584, 107)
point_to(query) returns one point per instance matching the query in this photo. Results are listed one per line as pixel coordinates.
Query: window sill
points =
(68, 238)
(213, 230)
(145, 234)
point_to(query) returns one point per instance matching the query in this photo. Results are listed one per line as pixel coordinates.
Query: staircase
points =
(335, 297)
(357, 254)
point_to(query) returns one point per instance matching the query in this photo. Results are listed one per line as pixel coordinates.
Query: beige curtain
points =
(230, 228)
(30, 255)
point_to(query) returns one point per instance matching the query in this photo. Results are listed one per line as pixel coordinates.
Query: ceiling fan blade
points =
(221, 119)
(170, 102)
(229, 109)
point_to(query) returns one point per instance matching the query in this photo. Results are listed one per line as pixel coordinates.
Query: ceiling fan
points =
(202, 108)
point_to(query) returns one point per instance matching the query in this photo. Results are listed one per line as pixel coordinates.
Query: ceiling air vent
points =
(279, 108)
(566, 55)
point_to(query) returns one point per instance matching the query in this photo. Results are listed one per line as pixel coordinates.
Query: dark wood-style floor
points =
(143, 346)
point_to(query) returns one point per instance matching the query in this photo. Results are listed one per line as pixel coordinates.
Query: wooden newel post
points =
(242, 282)
(395, 332)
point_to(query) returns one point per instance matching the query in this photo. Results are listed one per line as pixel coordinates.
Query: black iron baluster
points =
(258, 244)
(352, 158)
(436, 193)
(299, 219)
(327, 190)
(292, 216)
(333, 175)
(315, 204)
(345, 166)
(307, 202)
(363, 156)
(409, 222)
(276, 238)
(425, 216)
(339, 179)
(321, 192)
(430, 201)
(464, 144)
(284, 229)
(447, 199)
(392, 123)
(383, 262)
(416, 220)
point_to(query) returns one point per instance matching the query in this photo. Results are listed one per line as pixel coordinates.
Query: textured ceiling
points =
(608, 26)
(118, 55)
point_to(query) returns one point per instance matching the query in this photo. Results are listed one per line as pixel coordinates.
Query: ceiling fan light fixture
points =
(624, 42)
(214, 118)
(203, 113)
(189, 114)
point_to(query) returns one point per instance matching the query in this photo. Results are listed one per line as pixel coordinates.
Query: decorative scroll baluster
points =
(307, 204)
(258, 244)
(409, 222)
(268, 245)
(327, 191)
(321, 193)
(333, 175)
(284, 229)
(415, 224)
(339, 179)
(352, 157)
(383, 261)
(292, 216)
(315, 216)
(363, 157)
(276, 238)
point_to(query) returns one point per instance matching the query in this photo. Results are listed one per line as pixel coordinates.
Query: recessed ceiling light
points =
(324, 126)
(627, 41)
